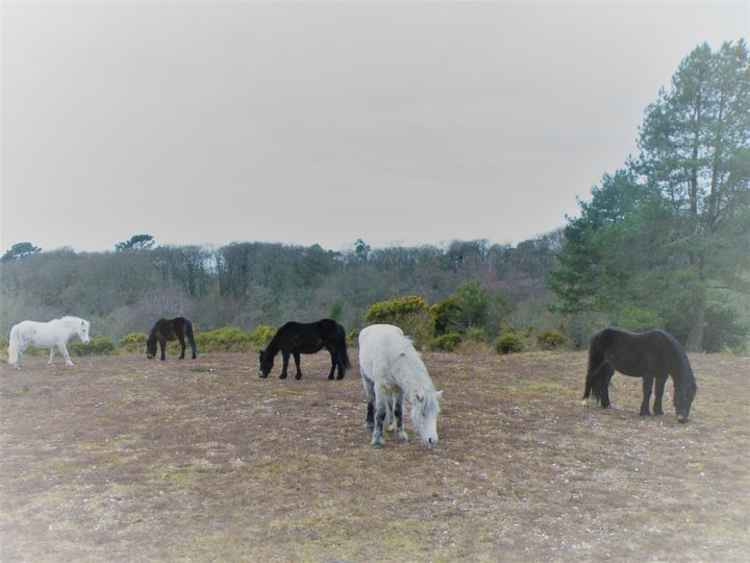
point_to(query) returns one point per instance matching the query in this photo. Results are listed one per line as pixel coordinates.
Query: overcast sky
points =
(398, 122)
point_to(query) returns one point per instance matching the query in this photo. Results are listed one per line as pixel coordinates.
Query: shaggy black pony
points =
(651, 355)
(170, 329)
(307, 338)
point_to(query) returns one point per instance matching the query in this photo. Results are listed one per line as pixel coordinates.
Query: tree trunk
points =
(695, 336)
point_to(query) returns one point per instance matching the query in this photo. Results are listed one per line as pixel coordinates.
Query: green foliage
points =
(227, 339)
(97, 346)
(20, 250)
(261, 335)
(352, 339)
(475, 334)
(509, 342)
(409, 313)
(446, 342)
(550, 340)
(133, 342)
(474, 302)
(638, 319)
(391, 310)
(337, 310)
(136, 242)
(447, 315)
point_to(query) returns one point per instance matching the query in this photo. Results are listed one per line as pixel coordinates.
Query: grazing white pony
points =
(392, 370)
(52, 334)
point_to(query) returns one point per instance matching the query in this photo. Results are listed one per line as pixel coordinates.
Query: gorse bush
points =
(509, 342)
(550, 340)
(409, 313)
(261, 335)
(97, 346)
(227, 339)
(393, 309)
(133, 342)
(446, 342)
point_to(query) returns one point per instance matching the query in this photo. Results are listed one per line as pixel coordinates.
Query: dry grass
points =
(125, 459)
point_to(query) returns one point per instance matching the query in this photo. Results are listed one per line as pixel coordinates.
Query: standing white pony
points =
(54, 333)
(391, 370)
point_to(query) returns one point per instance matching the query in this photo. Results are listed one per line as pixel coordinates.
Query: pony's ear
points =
(419, 397)
(439, 394)
(83, 323)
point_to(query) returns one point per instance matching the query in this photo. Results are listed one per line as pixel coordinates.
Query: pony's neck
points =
(273, 347)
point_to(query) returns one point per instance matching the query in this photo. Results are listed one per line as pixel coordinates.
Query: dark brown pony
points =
(652, 355)
(170, 329)
(306, 338)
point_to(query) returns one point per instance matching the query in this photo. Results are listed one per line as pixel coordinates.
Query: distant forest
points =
(663, 243)
(247, 284)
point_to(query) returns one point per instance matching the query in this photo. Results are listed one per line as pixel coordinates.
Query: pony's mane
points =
(409, 355)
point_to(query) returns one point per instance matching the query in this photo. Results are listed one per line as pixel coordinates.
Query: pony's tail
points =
(341, 353)
(13, 346)
(597, 375)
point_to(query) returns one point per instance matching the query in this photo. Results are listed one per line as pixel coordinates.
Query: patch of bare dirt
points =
(123, 458)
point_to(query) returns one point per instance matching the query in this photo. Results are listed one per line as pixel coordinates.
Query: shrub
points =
(227, 339)
(133, 342)
(393, 309)
(352, 339)
(550, 340)
(409, 313)
(261, 335)
(447, 316)
(446, 342)
(475, 334)
(638, 319)
(97, 346)
(509, 342)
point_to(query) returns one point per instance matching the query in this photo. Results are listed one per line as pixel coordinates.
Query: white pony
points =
(391, 370)
(54, 333)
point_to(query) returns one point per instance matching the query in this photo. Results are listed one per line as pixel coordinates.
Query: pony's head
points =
(683, 400)
(151, 346)
(266, 362)
(425, 409)
(82, 329)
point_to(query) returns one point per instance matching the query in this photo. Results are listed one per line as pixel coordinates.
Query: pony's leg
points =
(659, 393)
(296, 364)
(398, 412)
(163, 347)
(51, 355)
(333, 363)
(64, 352)
(607, 372)
(381, 398)
(648, 383)
(182, 348)
(285, 364)
(370, 395)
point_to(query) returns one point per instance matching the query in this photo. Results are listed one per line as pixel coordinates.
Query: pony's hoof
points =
(339, 378)
(282, 376)
(658, 413)
(262, 376)
(403, 436)
(378, 445)
(330, 377)
(298, 376)
(645, 413)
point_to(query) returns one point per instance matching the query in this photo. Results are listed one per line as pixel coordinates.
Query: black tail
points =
(341, 354)
(190, 337)
(598, 375)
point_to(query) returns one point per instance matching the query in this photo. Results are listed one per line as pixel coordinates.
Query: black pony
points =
(652, 355)
(307, 338)
(170, 329)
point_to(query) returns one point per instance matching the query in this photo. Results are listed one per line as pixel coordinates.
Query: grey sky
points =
(208, 122)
